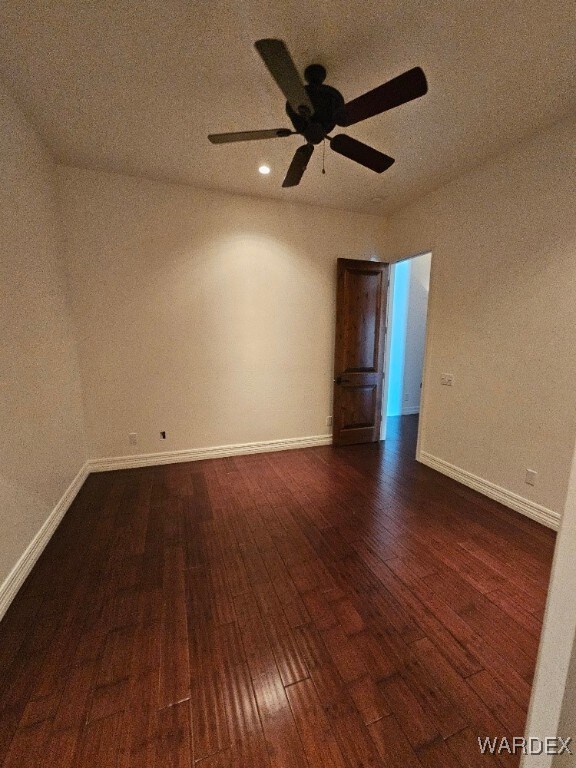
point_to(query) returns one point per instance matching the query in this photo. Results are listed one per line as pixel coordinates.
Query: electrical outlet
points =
(447, 379)
(328, 421)
(531, 475)
(132, 438)
(163, 435)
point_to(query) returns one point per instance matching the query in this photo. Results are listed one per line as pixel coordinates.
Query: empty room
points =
(287, 384)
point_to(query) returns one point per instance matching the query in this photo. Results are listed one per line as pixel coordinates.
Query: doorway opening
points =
(406, 338)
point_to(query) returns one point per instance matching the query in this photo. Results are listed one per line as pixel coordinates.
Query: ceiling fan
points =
(316, 109)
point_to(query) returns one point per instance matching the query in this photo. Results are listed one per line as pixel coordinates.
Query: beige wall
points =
(502, 316)
(42, 446)
(207, 315)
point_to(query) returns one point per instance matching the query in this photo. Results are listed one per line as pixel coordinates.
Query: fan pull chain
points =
(323, 156)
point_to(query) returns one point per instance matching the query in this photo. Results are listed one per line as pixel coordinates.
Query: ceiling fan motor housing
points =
(327, 103)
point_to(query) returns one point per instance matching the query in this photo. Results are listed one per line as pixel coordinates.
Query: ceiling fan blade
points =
(226, 138)
(361, 153)
(410, 85)
(298, 165)
(275, 55)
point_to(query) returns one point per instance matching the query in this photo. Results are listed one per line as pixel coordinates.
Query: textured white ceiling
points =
(137, 86)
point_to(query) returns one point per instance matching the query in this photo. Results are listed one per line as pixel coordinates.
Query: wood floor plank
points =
(519, 609)
(345, 607)
(99, 744)
(27, 746)
(409, 712)
(289, 659)
(107, 700)
(138, 742)
(75, 697)
(38, 710)
(471, 706)
(9, 722)
(320, 744)
(446, 716)
(174, 743)
(345, 656)
(508, 712)
(369, 699)
(60, 748)
(393, 748)
(438, 755)
(344, 718)
(209, 714)
(285, 748)
(117, 655)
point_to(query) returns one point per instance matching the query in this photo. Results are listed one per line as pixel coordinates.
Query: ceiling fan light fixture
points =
(316, 109)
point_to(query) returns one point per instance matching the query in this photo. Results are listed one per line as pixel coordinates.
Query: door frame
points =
(425, 362)
(388, 326)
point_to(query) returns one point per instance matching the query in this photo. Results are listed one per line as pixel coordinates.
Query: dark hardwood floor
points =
(321, 607)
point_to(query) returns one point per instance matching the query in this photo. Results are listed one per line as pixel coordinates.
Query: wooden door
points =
(359, 354)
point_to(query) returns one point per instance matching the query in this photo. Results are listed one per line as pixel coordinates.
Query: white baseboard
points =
(512, 500)
(410, 409)
(19, 573)
(196, 454)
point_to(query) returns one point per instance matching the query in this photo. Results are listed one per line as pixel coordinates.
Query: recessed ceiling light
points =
(264, 170)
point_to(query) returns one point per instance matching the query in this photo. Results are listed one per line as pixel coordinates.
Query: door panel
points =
(359, 354)
(360, 290)
(357, 404)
